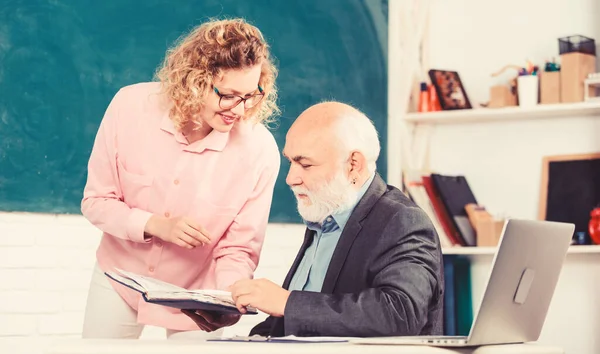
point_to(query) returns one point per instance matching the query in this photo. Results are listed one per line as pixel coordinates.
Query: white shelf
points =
(483, 115)
(490, 251)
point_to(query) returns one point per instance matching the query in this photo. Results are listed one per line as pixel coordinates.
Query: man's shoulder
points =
(395, 218)
(395, 200)
(394, 206)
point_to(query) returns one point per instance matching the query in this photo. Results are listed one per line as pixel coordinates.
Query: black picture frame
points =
(449, 89)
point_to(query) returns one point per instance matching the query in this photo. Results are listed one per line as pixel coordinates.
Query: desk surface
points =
(79, 346)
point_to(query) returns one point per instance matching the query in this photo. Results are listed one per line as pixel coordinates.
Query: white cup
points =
(528, 86)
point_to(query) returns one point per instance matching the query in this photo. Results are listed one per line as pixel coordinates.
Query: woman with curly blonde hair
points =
(181, 178)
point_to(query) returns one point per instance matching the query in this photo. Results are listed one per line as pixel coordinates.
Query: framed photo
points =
(449, 89)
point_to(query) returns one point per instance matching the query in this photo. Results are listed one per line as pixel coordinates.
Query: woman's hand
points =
(181, 231)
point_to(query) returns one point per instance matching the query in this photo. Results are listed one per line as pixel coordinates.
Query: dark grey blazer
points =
(385, 277)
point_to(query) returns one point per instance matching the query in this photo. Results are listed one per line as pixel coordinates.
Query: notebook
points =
(455, 193)
(162, 293)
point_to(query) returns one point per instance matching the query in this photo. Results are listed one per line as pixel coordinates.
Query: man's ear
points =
(358, 164)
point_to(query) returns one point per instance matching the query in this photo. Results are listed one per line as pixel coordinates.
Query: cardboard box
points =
(575, 67)
(489, 232)
(550, 87)
(488, 229)
(502, 96)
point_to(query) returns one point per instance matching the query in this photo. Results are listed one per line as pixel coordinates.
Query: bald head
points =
(322, 117)
(337, 129)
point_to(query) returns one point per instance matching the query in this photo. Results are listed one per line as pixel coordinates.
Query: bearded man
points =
(371, 263)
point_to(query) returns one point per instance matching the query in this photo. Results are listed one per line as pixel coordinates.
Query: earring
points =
(354, 180)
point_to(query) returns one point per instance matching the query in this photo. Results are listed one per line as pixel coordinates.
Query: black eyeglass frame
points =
(240, 98)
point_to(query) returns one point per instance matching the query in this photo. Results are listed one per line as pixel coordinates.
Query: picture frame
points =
(449, 89)
(569, 188)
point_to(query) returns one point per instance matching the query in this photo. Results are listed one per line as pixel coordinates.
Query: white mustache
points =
(298, 190)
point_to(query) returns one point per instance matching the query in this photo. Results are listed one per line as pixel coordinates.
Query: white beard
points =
(335, 196)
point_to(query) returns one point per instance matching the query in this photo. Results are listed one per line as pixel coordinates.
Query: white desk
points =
(79, 346)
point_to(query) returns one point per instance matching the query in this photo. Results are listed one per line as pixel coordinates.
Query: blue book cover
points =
(449, 302)
(462, 296)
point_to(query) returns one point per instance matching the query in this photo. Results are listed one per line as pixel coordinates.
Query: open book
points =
(162, 293)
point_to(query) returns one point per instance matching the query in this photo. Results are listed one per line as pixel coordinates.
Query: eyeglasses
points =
(231, 101)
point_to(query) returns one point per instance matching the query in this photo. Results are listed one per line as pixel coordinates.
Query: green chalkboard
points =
(61, 61)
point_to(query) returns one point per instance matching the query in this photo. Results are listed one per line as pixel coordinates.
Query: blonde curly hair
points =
(193, 64)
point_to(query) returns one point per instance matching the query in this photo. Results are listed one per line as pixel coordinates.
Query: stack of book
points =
(445, 199)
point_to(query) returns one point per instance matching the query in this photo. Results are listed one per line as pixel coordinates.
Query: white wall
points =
(46, 263)
(477, 38)
(502, 161)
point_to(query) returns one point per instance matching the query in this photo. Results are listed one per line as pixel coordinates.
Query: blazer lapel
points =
(351, 231)
(308, 238)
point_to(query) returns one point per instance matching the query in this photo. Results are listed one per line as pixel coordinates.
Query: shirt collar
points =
(215, 140)
(341, 218)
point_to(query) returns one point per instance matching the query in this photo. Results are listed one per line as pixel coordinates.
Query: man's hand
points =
(183, 232)
(211, 321)
(262, 294)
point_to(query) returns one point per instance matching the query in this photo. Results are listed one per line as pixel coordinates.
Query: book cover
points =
(418, 194)
(462, 296)
(440, 210)
(455, 193)
(449, 300)
(162, 293)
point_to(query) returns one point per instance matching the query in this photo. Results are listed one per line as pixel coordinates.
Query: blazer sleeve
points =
(405, 284)
(263, 328)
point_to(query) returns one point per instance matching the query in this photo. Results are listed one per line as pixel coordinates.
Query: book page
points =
(219, 295)
(151, 284)
(126, 281)
(216, 293)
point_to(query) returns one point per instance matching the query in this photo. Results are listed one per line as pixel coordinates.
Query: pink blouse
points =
(141, 165)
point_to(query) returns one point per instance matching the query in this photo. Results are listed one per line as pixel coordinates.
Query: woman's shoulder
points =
(140, 90)
(143, 96)
(255, 134)
(140, 101)
(256, 139)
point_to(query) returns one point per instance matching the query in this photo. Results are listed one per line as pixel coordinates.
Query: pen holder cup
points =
(528, 90)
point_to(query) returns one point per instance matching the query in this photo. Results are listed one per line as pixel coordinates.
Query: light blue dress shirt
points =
(312, 269)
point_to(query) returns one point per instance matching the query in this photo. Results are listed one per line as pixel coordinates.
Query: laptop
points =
(525, 270)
